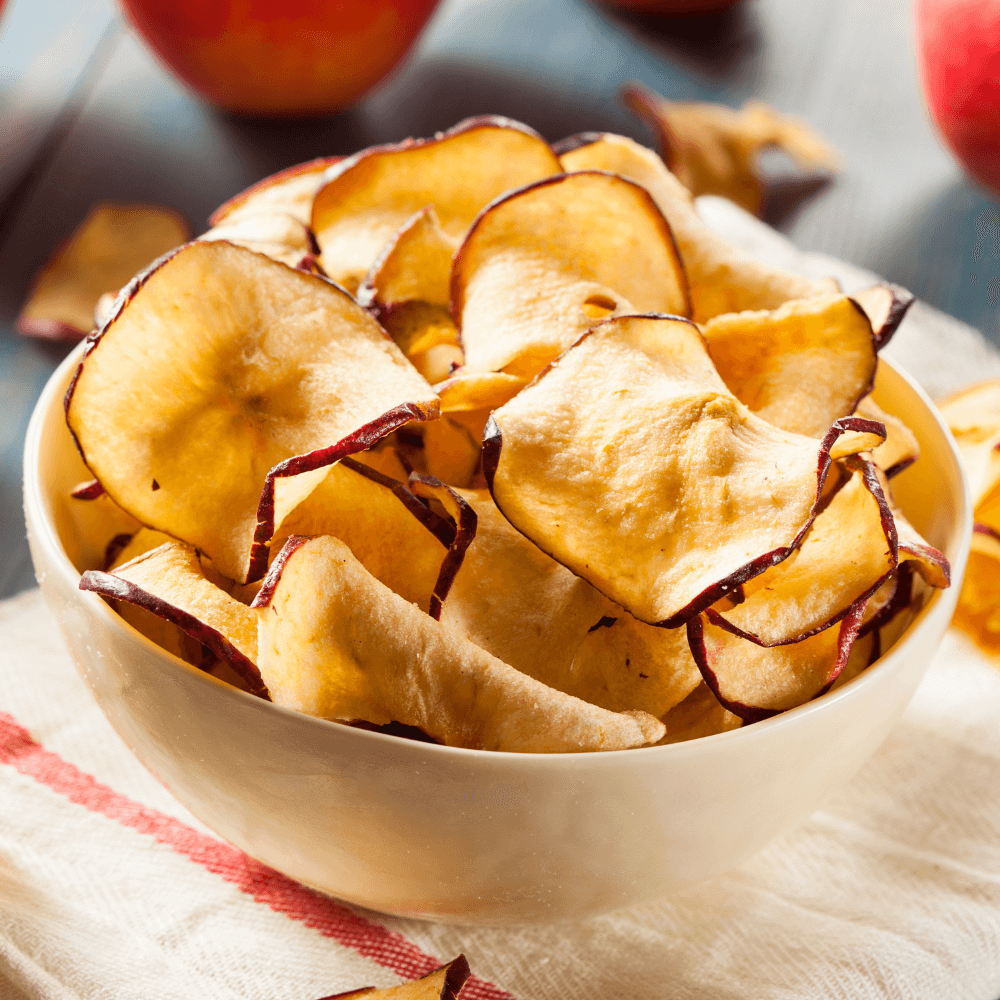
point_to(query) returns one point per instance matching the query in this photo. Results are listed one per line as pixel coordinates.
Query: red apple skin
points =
(958, 49)
(282, 58)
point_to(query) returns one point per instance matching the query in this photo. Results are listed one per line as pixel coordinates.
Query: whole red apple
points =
(958, 48)
(280, 57)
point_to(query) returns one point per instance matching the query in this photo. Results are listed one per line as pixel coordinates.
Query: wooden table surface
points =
(87, 114)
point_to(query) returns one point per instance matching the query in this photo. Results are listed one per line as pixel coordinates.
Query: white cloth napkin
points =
(110, 890)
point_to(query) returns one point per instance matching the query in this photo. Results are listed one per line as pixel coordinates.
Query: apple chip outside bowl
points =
(469, 836)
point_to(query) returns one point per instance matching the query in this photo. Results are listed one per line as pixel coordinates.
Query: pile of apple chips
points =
(494, 443)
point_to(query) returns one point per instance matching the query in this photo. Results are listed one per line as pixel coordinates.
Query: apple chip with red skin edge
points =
(756, 682)
(336, 643)
(720, 278)
(442, 984)
(278, 235)
(410, 549)
(630, 462)
(222, 389)
(713, 149)
(800, 366)
(886, 305)
(169, 582)
(542, 264)
(846, 555)
(900, 449)
(369, 196)
(289, 191)
(105, 250)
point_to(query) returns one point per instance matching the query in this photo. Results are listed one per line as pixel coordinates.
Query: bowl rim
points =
(47, 538)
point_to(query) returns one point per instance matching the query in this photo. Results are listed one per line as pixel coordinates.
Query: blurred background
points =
(88, 114)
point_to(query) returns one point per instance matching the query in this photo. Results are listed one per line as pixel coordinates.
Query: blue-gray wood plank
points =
(901, 208)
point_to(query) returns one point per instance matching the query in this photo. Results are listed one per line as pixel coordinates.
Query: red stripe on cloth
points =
(282, 894)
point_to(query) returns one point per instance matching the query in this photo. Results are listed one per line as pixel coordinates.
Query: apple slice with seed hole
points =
(721, 279)
(542, 264)
(223, 388)
(369, 196)
(289, 191)
(800, 366)
(695, 494)
(443, 984)
(336, 643)
(846, 555)
(169, 582)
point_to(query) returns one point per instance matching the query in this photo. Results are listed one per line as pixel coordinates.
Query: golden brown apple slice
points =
(279, 235)
(468, 398)
(756, 682)
(630, 462)
(720, 279)
(412, 550)
(414, 265)
(846, 555)
(442, 984)
(289, 191)
(336, 643)
(169, 582)
(699, 714)
(542, 264)
(107, 248)
(978, 611)
(713, 149)
(800, 366)
(900, 448)
(223, 388)
(451, 453)
(370, 195)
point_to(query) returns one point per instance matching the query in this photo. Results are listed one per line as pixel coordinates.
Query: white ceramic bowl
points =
(470, 836)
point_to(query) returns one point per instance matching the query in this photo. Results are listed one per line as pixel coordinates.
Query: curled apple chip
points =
(900, 448)
(169, 582)
(369, 196)
(403, 544)
(846, 555)
(542, 264)
(720, 279)
(289, 191)
(886, 305)
(712, 149)
(336, 643)
(107, 248)
(442, 984)
(630, 462)
(222, 389)
(756, 682)
(800, 366)
(279, 235)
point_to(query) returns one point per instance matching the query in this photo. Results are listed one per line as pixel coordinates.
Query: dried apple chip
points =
(369, 196)
(107, 248)
(442, 984)
(721, 280)
(542, 264)
(412, 550)
(800, 366)
(336, 643)
(169, 582)
(221, 390)
(630, 462)
(846, 555)
(978, 611)
(426, 334)
(712, 149)
(756, 682)
(289, 191)
(279, 235)
(973, 416)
